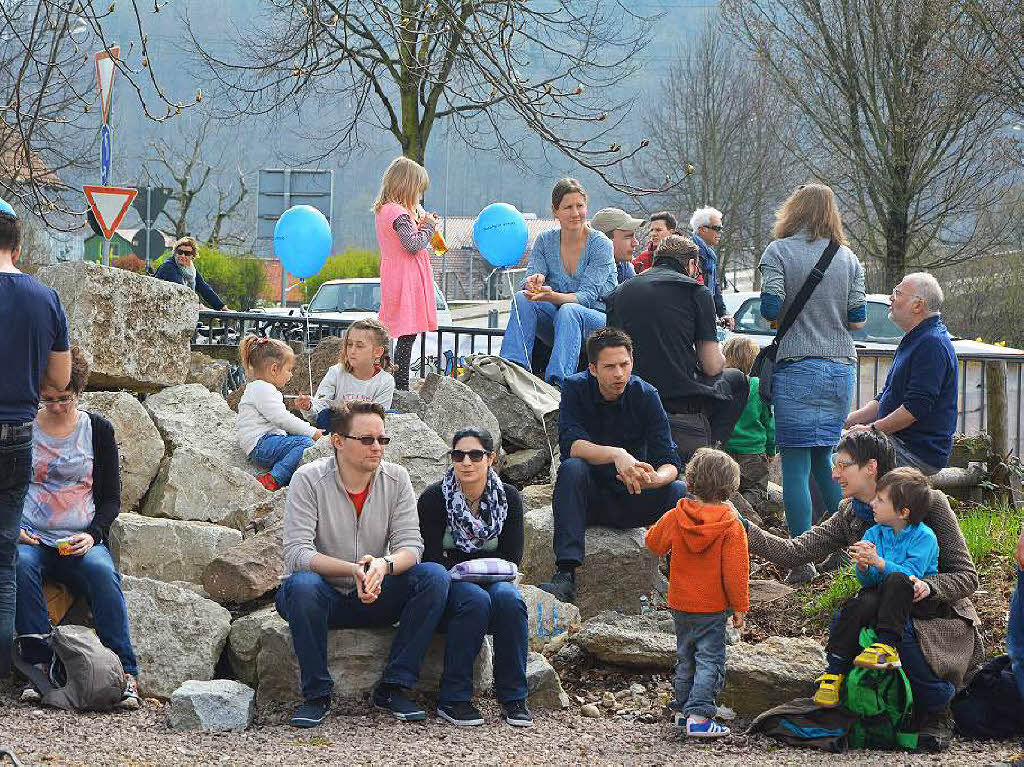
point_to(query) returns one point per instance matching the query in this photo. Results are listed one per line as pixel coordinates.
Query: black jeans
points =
(15, 474)
(705, 421)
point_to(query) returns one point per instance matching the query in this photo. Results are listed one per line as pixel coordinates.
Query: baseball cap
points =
(5, 207)
(609, 219)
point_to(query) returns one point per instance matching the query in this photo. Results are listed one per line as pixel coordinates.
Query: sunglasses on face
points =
(188, 253)
(367, 441)
(458, 456)
(715, 228)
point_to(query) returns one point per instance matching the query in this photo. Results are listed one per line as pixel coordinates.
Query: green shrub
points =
(843, 586)
(354, 262)
(991, 530)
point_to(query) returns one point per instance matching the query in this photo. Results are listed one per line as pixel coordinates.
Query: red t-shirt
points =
(358, 499)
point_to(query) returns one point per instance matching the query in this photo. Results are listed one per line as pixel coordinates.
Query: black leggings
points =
(403, 359)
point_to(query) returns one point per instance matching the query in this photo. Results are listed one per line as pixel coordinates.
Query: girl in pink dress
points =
(408, 306)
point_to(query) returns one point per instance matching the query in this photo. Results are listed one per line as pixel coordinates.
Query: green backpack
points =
(881, 701)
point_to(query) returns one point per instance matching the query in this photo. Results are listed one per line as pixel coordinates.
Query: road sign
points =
(281, 188)
(109, 204)
(150, 202)
(106, 153)
(105, 78)
(149, 244)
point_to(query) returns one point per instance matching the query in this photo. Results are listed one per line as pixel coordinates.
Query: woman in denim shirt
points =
(562, 301)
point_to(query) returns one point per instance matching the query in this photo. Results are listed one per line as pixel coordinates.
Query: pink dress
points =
(407, 302)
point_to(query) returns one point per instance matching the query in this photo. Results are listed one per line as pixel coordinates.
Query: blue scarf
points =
(863, 510)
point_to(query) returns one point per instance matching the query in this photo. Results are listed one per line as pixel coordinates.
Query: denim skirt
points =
(811, 398)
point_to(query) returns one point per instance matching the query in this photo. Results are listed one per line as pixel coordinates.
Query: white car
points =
(353, 299)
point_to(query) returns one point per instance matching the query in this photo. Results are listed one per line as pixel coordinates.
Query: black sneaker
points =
(934, 731)
(393, 698)
(517, 714)
(562, 586)
(461, 714)
(311, 713)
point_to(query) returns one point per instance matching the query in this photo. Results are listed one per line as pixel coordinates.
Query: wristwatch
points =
(391, 565)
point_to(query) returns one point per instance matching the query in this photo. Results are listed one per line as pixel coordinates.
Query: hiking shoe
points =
(130, 700)
(461, 714)
(709, 728)
(517, 714)
(391, 697)
(30, 695)
(878, 656)
(268, 481)
(934, 731)
(562, 586)
(311, 713)
(800, 575)
(827, 694)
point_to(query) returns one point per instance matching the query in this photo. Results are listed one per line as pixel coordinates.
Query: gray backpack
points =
(83, 675)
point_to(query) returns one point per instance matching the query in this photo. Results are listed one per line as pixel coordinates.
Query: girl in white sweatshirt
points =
(272, 437)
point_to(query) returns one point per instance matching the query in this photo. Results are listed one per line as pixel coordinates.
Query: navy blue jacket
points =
(923, 379)
(636, 421)
(169, 271)
(708, 265)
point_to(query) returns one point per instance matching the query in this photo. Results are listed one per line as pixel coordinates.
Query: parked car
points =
(352, 299)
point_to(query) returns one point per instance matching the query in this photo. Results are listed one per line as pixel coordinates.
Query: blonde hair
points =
(712, 475)
(404, 182)
(186, 240)
(811, 208)
(379, 332)
(740, 352)
(256, 352)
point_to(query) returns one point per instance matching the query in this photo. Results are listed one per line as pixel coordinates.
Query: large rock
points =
(548, 617)
(177, 634)
(414, 445)
(136, 329)
(525, 466)
(215, 706)
(520, 428)
(320, 359)
(205, 370)
(636, 641)
(760, 676)
(543, 685)
(261, 655)
(165, 549)
(451, 405)
(139, 445)
(266, 513)
(537, 496)
(193, 417)
(249, 570)
(617, 571)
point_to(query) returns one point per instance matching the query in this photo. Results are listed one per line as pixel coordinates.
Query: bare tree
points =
(890, 117)
(497, 69)
(1001, 22)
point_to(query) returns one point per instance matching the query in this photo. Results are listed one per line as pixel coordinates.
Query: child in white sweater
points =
(272, 437)
(363, 371)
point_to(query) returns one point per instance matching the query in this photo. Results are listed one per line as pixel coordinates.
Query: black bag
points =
(804, 723)
(990, 707)
(764, 364)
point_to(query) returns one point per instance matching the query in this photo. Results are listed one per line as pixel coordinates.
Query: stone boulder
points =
(139, 445)
(451, 405)
(777, 670)
(177, 634)
(635, 641)
(408, 402)
(137, 330)
(618, 568)
(414, 445)
(191, 416)
(320, 359)
(537, 496)
(543, 685)
(215, 706)
(548, 617)
(249, 570)
(520, 428)
(525, 466)
(266, 513)
(205, 370)
(165, 549)
(261, 654)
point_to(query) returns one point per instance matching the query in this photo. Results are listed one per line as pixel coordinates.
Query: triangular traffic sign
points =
(109, 204)
(105, 78)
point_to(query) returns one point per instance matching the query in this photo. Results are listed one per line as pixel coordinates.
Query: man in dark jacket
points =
(180, 269)
(706, 225)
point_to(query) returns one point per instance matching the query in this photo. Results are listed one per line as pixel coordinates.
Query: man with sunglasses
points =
(917, 404)
(352, 548)
(180, 268)
(706, 225)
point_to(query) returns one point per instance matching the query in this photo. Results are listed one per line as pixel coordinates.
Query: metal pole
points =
(287, 200)
(444, 224)
(147, 223)
(105, 252)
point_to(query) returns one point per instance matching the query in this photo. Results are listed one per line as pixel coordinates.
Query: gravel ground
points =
(355, 735)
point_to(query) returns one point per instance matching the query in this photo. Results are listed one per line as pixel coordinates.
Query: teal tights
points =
(798, 464)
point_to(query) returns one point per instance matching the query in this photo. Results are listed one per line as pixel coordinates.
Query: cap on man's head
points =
(607, 220)
(5, 207)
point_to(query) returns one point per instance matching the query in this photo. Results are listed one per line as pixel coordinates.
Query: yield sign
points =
(109, 204)
(105, 78)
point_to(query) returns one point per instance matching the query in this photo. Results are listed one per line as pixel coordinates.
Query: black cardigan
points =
(434, 520)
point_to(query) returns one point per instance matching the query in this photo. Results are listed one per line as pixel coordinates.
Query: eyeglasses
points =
(844, 464)
(188, 253)
(715, 228)
(458, 456)
(382, 441)
(897, 292)
(43, 402)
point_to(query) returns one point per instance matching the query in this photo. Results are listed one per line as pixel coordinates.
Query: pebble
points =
(608, 700)
(637, 689)
(591, 711)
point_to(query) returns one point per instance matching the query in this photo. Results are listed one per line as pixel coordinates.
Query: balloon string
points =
(309, 358)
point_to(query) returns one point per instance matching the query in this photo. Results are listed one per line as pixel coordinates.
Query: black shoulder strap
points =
(816, 275)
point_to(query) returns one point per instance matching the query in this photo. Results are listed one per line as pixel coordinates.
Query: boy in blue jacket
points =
(898, 548)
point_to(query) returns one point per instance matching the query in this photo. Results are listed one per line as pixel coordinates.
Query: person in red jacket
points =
(661, 225)
(708, 577)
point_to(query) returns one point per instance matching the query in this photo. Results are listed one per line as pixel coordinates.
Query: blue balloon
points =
(6, 208)
(302, 240)
(501, 235)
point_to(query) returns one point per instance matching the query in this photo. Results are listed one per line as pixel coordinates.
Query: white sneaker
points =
(30, 695)
(130, 701)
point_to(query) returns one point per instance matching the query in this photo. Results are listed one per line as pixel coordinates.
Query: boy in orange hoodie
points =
(708, 577)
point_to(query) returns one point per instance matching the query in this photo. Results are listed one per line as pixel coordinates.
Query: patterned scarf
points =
(189, 273)
(469, 532)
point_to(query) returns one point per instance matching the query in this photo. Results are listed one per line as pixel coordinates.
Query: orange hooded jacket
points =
(710, 567)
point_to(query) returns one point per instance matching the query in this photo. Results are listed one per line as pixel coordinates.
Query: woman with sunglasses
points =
(471, 514)
(73, 498)
(180, 269)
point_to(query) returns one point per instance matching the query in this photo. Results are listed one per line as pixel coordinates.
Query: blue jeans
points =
(1015, 633)
(564, 327)
(416, 599)
(472, 611)
(92, 574)
(582, 499)
(282, 455)
(700, 661)
(15, 475)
